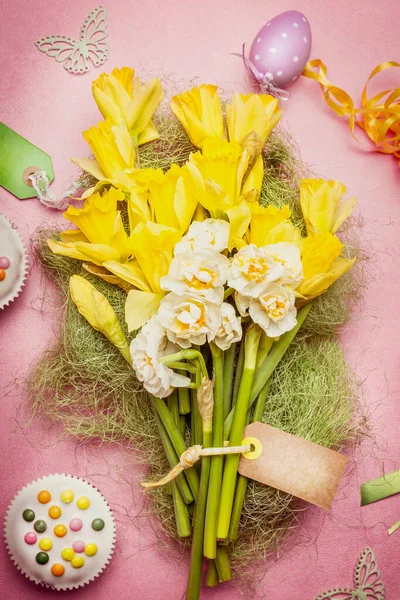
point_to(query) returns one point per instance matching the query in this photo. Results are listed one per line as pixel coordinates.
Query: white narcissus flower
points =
(211, 234)
(242, 304)
(202, 273)
(274, 311)
(146, 350)
(189, 319)
(231, 327)
(252, 269)
(288, 256)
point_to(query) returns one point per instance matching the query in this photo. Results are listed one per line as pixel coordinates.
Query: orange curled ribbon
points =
(378, 116)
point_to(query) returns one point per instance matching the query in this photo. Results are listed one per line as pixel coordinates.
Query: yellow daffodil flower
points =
(253, 181)
(121, 96)
(321, 205)
(216, 175)
(266, 224)
(216, 178)
(162, 197)
(321, 263)
(101, 234)
(152, 245)
(283, 232)
(98, 312)
(252, 114)
(139, 259)
(114, 152)
(199, 110)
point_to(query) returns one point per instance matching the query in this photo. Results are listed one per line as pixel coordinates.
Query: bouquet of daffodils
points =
(217, 283)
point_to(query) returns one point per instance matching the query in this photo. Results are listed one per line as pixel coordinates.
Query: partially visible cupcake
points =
(13, 262)
(60, 532)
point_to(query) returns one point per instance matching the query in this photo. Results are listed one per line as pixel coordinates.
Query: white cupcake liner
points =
(22, 554)
(11, 243)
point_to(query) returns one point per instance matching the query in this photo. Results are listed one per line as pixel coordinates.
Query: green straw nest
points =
(85, 383)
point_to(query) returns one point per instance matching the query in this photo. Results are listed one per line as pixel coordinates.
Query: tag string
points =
(379, 116)
(194, 453)
(41, 184)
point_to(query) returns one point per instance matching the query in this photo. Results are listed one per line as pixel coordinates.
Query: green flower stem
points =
(173, 460)
(217, 462)
(229, 367)
(222, 564)
(196, 556)
(219, 570)
(172, 402)
(181, 515)
(228, 292)
(242, 481)
(260, 404)
(238, 376)
(182, 425)
(270, 363)
(183, 366)
(212, 574)
(189, 354)
(184, 401)
(177, 441)
(196, 422)
(239, 422)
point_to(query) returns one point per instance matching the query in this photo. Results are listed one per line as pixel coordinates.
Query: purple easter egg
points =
(282, 47)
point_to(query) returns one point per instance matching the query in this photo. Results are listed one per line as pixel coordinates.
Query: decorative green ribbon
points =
(378, 489)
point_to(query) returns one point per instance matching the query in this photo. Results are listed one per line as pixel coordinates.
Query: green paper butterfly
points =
(91, 46)
(367, 582)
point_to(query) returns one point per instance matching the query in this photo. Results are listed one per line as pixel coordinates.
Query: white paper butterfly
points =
(91, 46)
(367, 582)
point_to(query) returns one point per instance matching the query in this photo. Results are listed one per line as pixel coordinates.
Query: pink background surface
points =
(51, 107)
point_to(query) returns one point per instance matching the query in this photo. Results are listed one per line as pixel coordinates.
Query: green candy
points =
(97, 524)
(40, 526)
(42, 558)
(28, 515)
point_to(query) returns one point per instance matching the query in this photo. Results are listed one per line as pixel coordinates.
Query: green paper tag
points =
(19, 158)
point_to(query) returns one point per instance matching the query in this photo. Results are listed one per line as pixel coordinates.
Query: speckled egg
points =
(282, 47)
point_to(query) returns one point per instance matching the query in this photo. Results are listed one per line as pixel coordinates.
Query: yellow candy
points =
(83, 503)
(68, 554)
(90, 549)
(45, 544)
(54, 512)
(67, 496)
(77, 562)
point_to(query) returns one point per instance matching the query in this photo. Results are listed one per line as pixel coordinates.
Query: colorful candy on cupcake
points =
(60, 532)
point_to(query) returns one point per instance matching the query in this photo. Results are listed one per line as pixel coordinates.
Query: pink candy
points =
(4, 262)
(78, 546)
(30, 538)
(76, 525)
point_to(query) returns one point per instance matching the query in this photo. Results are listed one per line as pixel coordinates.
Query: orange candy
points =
(57, 570)
(2, 274)
(44, 497)
(60, 530)
(54, 512)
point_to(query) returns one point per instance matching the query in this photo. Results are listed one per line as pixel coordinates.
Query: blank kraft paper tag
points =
(294, 465)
